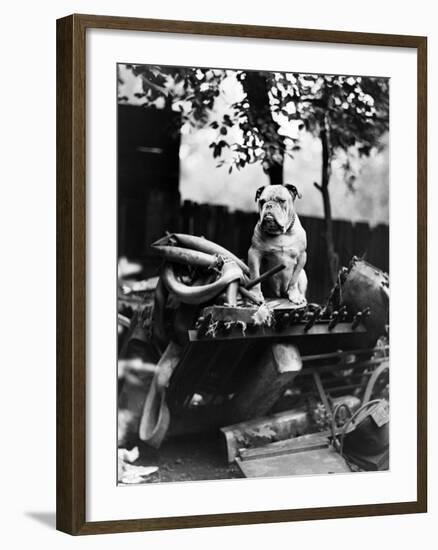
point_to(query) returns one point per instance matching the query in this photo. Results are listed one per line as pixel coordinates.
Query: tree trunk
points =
(332, 256)
(275, 173)
(256, 88)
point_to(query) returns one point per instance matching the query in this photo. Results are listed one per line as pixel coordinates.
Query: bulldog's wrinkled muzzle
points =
(273, 218)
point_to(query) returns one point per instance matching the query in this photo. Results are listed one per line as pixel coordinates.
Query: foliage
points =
(193, 93)
(347, 113)
(352, 110)
(190, 91)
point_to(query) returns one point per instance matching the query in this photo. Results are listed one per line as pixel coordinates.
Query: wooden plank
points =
(71, 279)
(361, 240)
(274, 428)
(236, 333)
(311, 462)
(288, 446)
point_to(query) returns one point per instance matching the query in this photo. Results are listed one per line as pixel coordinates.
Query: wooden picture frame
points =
(71, 273)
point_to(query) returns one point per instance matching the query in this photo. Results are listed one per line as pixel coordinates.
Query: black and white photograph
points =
(218, 275)
(253, 273)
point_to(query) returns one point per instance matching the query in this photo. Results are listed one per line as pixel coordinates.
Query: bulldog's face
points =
(276, 207)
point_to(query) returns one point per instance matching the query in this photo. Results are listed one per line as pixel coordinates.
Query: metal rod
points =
(247, 294)
(321, 392)
(265, 276)
(231, 293)
(340, 366)
(359, 351)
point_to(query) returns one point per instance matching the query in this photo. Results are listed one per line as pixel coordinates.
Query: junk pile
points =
(214, 357)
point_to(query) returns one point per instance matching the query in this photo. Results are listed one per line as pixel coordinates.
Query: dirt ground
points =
(189, 459)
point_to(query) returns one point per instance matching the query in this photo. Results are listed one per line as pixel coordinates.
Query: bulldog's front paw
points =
(296, 297)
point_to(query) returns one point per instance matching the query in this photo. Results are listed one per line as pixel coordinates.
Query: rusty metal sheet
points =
(297, 444)
(312, 462)
(276, 427)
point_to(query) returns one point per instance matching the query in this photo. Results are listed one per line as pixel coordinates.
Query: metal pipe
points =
(199, 244)
(198, 294)
(187, 257)
(247, 294)
(265, 276)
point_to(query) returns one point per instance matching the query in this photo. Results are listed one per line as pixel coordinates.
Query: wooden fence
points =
(233, 230)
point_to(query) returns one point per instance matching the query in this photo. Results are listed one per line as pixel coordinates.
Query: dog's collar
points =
(291, 223)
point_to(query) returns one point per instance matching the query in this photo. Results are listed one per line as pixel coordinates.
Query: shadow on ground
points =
(45, 518)
(192, 458)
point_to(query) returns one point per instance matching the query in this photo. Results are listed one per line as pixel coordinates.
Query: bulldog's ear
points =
(293, 191)
(259, 192)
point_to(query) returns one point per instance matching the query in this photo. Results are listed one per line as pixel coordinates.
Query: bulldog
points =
(279, 238)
